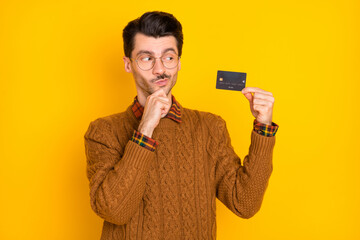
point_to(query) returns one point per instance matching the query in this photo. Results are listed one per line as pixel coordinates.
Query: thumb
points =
(249, 96)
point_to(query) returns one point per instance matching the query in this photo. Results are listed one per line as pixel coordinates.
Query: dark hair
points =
(154, 24)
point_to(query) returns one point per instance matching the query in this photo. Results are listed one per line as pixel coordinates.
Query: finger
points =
(252, 89)
(260, 108)
(262, 102)
(263, 96)
(160, 98)
(153, 99)
(255, 90)
(158, 93)
(162, 102)
(155, 103)
(164, 110)
(249, 96)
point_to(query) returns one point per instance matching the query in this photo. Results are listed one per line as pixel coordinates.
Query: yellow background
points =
(61, 67)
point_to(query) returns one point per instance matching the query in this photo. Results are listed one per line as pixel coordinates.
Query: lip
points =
(162, 82)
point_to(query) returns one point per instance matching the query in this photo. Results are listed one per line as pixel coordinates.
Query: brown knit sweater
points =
(170, 193)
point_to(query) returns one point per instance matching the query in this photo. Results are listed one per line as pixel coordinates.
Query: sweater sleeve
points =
(241, 187)
(117, 179)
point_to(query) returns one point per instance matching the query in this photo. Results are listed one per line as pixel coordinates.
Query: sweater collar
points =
(174, 112)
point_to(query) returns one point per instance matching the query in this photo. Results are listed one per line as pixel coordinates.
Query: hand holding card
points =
(261, 104)
(261, 101)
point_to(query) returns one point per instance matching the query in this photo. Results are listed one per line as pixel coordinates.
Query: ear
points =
(179, 65)
(127, 63)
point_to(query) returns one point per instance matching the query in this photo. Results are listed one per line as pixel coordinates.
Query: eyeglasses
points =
(146, 61)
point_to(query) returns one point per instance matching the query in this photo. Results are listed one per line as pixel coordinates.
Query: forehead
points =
(155, 45)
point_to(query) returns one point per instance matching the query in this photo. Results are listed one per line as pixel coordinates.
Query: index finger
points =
(159, 92)
(254, 90)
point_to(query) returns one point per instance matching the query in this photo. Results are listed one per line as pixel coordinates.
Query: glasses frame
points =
(153, 64)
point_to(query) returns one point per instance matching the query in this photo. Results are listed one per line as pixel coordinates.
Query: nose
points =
(158, 68)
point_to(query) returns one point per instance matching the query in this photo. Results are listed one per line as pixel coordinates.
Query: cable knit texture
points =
(170, 193)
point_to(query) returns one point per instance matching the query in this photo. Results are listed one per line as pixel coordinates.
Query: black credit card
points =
(230, 80)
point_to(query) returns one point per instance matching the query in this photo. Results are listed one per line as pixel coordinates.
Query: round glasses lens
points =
(145, 62)
(170, 60)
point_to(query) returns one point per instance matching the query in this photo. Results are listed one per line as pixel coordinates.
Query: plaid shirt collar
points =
(174, 112)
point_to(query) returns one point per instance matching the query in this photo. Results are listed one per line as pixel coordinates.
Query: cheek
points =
(174, 74)
(143, 77)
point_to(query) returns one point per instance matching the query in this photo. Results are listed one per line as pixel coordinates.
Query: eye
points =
(168, 58)
(146, 58)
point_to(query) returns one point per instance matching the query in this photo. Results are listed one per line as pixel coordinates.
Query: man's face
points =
(148, 81)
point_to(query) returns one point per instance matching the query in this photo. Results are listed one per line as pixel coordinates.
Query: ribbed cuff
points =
(139, 156)
(261, 145)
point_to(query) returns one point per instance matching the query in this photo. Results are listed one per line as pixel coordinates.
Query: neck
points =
(143, 96)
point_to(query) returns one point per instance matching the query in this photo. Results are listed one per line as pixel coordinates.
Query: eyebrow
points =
(152, 53)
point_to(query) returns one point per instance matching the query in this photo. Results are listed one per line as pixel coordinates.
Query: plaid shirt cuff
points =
(264, 129)
(144, 141)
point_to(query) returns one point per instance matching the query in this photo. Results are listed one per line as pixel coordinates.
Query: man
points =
(156, 169)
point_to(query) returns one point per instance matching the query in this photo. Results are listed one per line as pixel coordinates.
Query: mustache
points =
(162, 76)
